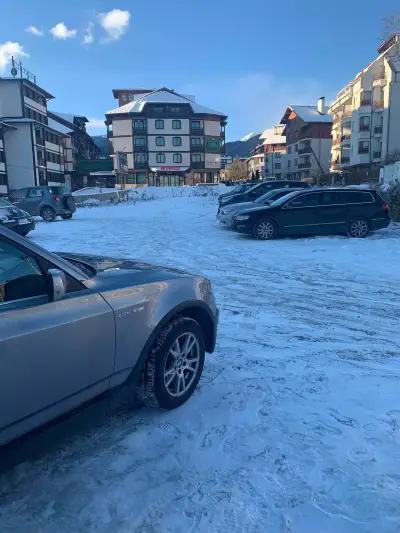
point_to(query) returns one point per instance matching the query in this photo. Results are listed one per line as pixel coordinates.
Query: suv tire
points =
(265, 229)
(358, 228)
(48, 214)
(67, 216)
(174, 366)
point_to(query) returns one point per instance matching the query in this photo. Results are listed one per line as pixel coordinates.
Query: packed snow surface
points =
(295, 426)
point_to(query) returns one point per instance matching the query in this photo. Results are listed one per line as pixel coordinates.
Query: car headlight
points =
(242, 217)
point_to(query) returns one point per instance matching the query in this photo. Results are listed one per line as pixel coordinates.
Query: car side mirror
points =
(57, 284)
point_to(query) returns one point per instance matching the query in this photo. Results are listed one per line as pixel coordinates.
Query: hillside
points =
(243, 147)
(103, 143)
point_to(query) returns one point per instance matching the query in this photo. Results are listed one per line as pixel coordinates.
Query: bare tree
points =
(390, 24)
(237, 170)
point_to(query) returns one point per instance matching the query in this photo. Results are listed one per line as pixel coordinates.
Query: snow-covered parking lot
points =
(296, 424)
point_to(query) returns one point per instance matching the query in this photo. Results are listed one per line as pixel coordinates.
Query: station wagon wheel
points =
(358, 228)
(48, 214)
(265, 229)
(174, 365)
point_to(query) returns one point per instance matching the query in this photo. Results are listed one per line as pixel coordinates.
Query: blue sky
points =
(246, 58)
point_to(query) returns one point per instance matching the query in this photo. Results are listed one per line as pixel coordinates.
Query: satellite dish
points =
(14, 72)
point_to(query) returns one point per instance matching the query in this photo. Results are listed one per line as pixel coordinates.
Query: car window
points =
(4, 203)
(20, 275)
(35, 193)
(304, 200)
(56, 190)
(355, 197)
(328, 198)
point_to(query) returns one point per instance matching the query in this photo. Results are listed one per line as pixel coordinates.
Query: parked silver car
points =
(74, 326)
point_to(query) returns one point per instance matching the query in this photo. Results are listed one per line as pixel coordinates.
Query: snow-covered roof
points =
(310, 113)
(271, 136)
(162, 96)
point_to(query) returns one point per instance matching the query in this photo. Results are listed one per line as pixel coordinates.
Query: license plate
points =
(22, 221)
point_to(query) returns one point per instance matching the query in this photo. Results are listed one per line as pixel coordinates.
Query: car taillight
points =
(386, 207)
(57, 198)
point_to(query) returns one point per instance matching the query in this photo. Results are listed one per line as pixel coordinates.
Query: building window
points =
(196, 124)
(176, 141)
(160, 158)
(278, 154)
(366, 98)
(159, 124)
(175, 110)
(296, 148)
(289, 164)
(289, 150)
(196, 158)
(295, 162)
(138, 124)
(177, 158)
(363, 147)
(160, 141)
(277, 165)
(140, 158)
(196, 141)
(176, 125)
(2, 159)
(364, 123)
(140, 141)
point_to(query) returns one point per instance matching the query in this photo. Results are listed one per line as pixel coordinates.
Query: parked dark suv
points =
(45, 201)
(258, 190)
(355, 212)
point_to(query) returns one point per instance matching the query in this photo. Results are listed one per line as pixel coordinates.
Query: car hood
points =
(116, 272)
(238, 207)
(10, 212)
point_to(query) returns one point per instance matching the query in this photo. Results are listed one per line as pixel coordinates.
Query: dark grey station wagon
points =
(73, 327)
(354, 212)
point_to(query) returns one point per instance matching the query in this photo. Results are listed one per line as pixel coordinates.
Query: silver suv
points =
(45, 201)
(73, 327)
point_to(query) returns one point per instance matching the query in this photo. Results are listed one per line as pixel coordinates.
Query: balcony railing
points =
(304, 149)
(363, 127)
(141, 164)
(363, 150)
(378, 130)
(197, 147)
(196, 130)
(306, 164)
(139, 130)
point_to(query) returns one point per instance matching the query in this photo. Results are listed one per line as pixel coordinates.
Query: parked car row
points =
(305, 211)
(17, 211)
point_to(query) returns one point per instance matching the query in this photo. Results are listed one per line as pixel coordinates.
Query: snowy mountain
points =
(243, 147)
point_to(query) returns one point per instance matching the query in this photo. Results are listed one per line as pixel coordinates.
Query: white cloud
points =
(8, 50)
(115, 23)
(60, 31)
(88, 37)
(34, 31)
(95, 123)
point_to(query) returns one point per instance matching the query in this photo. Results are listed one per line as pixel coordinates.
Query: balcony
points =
(377, 155)
(378, 130)
(139, 130)
(306, 149)
(197, 164)
(379, 79)
(197, 147)
(306, 164)
(363, 127)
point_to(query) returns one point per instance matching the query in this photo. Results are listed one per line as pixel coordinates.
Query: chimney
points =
(321, 105)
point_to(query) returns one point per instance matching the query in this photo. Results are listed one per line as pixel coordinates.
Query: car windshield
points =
(4, 203)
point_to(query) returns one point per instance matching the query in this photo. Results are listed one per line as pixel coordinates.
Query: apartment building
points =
(366, 113)
(165, 138)
(32, 151)
(78, 144)
(308, 131)
(274, 149)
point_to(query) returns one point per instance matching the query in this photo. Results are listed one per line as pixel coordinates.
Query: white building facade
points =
(166, 139)
(31, 152)
(366, 113)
